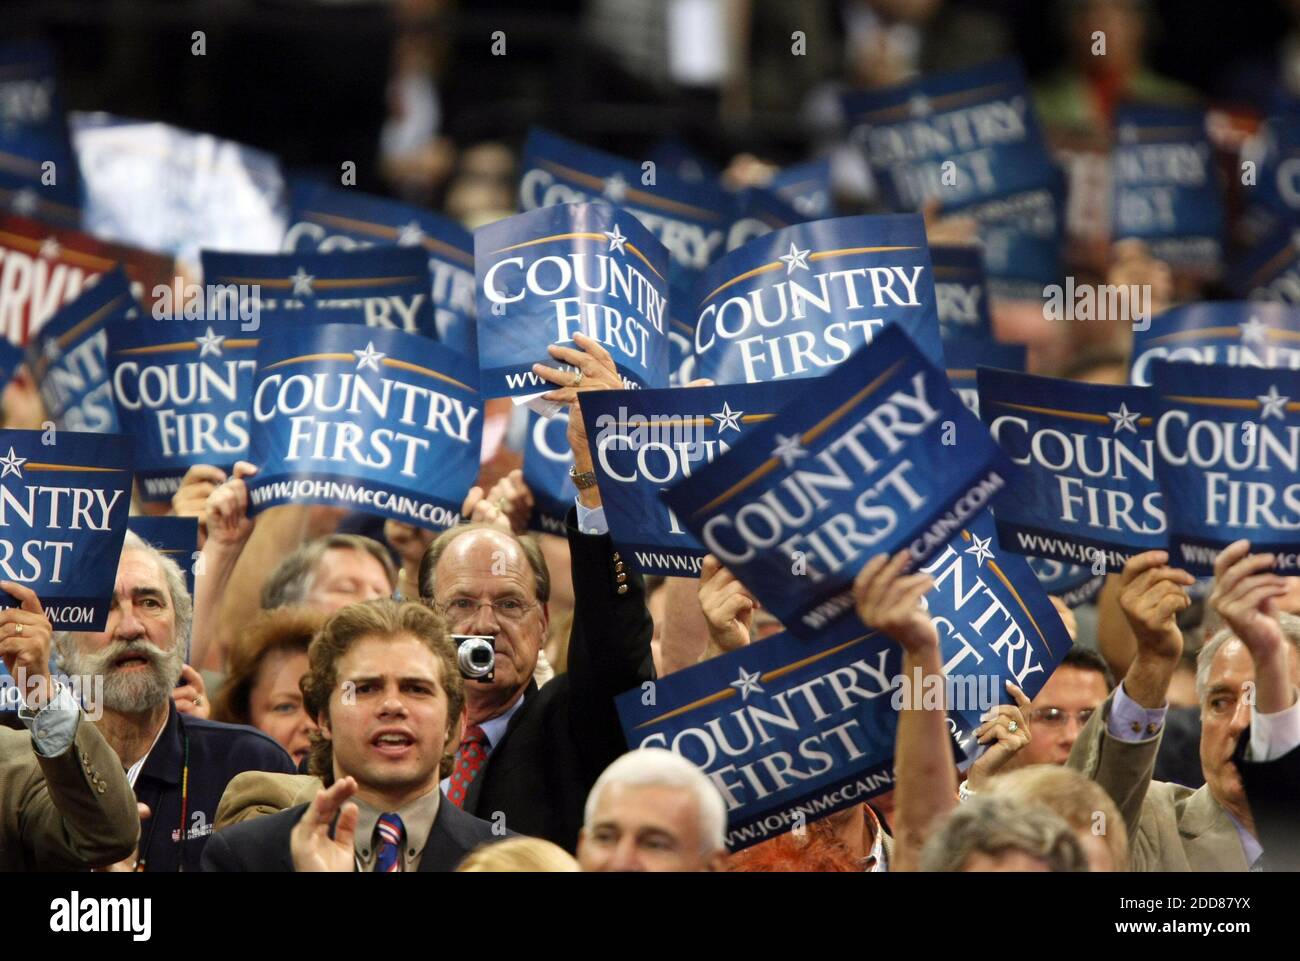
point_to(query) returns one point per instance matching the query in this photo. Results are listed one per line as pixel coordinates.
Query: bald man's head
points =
(488, 581)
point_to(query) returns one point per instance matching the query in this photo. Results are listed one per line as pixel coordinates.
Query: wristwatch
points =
(584, 480)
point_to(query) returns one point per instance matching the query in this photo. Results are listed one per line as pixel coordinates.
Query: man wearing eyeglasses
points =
(533, 753)
(1074, 691)
(1248, 682)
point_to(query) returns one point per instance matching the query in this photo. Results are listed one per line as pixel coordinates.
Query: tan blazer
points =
(1170, 827)
(254, 794)
(66, 813)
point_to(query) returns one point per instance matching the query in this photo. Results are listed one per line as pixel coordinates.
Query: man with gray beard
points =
(178, 764)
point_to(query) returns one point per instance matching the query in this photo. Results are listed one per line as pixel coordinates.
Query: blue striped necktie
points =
(388, 852)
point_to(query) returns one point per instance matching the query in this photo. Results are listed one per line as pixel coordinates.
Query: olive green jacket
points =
(1170, 827)
(65, 813)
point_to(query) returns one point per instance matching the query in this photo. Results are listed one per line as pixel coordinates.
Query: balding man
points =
(532, 753)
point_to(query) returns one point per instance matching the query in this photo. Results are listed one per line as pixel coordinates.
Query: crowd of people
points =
(343, 735)
(306, 707)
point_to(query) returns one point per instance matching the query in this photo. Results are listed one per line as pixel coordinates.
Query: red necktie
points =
(469, 759)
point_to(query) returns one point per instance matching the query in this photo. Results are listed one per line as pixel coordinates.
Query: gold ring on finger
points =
(577, 380)
(1013, 727)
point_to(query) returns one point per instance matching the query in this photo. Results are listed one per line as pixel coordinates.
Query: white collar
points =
(133, 771)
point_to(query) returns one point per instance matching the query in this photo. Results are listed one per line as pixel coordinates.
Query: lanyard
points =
(185, 804)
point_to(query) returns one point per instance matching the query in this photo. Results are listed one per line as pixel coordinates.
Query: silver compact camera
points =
(476, 657)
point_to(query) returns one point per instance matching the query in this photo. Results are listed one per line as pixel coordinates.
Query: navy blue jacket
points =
(217, 752)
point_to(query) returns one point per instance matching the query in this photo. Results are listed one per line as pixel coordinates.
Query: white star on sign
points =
(788, 449)
(616, 188)
(369, 357)
(1273, 403)
(616, 240)
(11, 464)
(302, 283)
(1124, 419)
(210, 343)
(52, 350)
(50, 249)
(727, 418)
(411, 235)
(796, 258)
(747, 684)
(1254, 331)
(919, 105)
(24, 202)
(980, 549)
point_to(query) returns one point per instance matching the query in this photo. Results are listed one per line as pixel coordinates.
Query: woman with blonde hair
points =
(526, 855)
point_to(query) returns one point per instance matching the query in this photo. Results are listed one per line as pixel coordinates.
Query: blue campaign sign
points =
(1270, 268)
(961, 292)
(10, 359)
(692, 220)
(1088, 483)
(820, 733)
(970, 138)
(799, 301)
(964, 357)
(643, 441)
(680, 160)
(1228, 459)
(68, 357)
(1235, 333)
(181, 389)
(375, 420)
(1165, 189)
(576, 268)
(1023, 237)
(1072, 583)
(38, 169)
(326, 219)
(64, 501)
(979, 122)
(681, 327)
(547, 459)
(1274, 199)
(381, 287)
(176, 537)
(878, 455)
(758, 212)
(806, 187)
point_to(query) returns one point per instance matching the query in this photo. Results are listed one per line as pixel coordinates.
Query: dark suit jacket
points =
(567, 732)
(263, 843)
(1273, 790)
